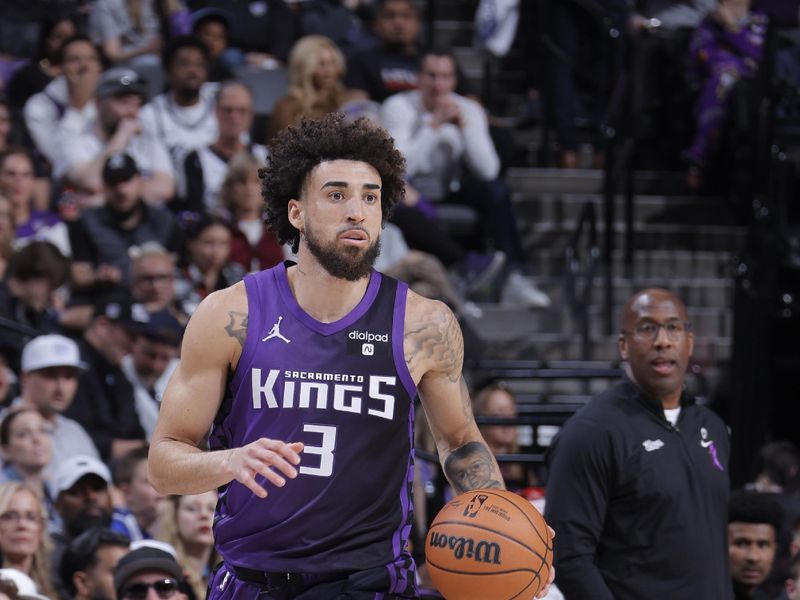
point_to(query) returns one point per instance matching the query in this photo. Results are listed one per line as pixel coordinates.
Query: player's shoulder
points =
(422, 311)
(218, 306)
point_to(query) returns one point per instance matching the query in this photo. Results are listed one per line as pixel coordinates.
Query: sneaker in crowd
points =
(482, 270)
(518, 290)
(470, 309)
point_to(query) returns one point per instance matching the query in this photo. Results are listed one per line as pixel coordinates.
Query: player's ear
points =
(296, 214)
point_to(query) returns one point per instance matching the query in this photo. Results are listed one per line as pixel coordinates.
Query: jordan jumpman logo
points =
(275, 332)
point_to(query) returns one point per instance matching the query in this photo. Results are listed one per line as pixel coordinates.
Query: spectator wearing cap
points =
(49, 367)
(29, 296)
(137, 518)
(150, 364)
(119, 96)
(103, 237)
(80, 486)
(147, 573)
(24, 542)
(87, 567)
(18, 586)
(204, 169)
(31, 222)
(66, 106)
(183, 117)
(104, 403)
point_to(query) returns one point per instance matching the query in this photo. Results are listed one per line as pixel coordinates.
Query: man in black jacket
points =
(638, 487)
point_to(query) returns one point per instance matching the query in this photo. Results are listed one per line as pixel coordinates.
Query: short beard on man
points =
(338, 263)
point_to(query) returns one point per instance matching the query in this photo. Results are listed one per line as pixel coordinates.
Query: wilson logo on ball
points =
(482, 551)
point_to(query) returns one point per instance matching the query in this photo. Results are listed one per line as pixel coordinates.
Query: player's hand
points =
(546, 589)
(272, 459)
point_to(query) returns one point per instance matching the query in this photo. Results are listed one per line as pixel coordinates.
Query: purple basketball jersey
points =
(344, 390)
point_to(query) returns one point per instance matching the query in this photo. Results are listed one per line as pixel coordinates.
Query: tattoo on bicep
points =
(471, 467)
(438, 338)
(237, 326)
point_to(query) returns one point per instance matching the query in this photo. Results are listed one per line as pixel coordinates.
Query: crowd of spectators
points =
(130, 143)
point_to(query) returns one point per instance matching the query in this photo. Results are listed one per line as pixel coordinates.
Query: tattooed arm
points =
(434, 350)
(211, 348)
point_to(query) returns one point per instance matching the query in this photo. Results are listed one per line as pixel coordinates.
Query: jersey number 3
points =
(324, 450)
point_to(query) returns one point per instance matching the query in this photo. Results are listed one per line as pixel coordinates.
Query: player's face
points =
(657, 365)
(339, 217)
(751, 549)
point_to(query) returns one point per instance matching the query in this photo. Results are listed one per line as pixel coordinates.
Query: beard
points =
(84, 521)
(348, 263)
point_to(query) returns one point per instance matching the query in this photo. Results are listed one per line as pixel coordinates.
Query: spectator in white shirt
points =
(119, 97)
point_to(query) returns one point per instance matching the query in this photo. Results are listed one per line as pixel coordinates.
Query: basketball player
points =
(308, 373)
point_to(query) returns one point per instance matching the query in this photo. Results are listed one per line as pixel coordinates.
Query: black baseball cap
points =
(146, 558)
(119, 168)
(120, 81)
(164, 328)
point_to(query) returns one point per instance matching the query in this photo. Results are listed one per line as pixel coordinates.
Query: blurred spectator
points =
(137, 519)
(497, 400)
(186, 523)
(726, 48)
(34, 277)
(27, 450)
(588, 52)
(24, 543)
(754, 520)
(147, 568)
(316, 69)
(128, 32)
(8, 589)
(423, 272)
(253, 245)
(18, 184)
(212, 27)
(204, 169)
(183, 117)
(150, 364)
(83, 501)
(440, 131)
(778, 468)
(87, 567)
(393, 66)
(7, 234)
(153, 280)
(5, 125)
(81, 158)
(102, 239)
(66, 106)
(207, 266)
(33, 77)
(670, 14)
(792, 585)
(261, 33)
(104, 403)
(49, 379)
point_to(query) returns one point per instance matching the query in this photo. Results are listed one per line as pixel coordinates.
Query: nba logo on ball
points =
(489, 544)
(367, 349)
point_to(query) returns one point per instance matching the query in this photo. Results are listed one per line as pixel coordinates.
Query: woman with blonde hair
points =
(186, 524)
(253, 245)
(316, 88)
(24, 542)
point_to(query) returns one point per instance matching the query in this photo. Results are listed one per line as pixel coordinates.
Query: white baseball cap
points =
(70, 470)
(51, 351)
(26, 588)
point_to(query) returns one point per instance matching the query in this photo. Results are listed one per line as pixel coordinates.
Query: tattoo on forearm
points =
(438, 337)
(237, 326)
(471, 467)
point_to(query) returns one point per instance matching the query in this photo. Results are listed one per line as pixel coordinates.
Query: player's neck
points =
(322, 296)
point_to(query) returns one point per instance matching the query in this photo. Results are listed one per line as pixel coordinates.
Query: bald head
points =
(648, 298)
(656, 342)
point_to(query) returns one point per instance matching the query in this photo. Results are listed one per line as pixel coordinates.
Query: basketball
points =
(489, 544)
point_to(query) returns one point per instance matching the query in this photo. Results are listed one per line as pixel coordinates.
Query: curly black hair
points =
(297, 150)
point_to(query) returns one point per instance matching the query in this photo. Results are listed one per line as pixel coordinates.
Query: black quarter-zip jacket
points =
(640, 508)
